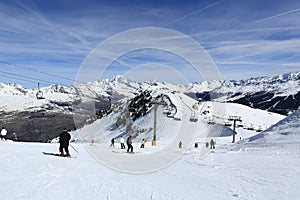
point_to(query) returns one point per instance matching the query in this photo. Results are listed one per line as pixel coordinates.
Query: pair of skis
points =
(57, 154)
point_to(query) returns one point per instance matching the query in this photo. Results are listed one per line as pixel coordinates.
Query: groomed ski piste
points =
(260, 165)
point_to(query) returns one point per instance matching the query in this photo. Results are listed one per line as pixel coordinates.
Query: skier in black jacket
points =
(129, 144)
(64, 139)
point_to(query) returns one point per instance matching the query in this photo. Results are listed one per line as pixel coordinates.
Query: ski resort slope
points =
(231, 171)
(149, 159)
(228, 172)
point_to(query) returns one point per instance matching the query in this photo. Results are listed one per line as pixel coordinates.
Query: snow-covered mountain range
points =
(41, 119)
(279, 94)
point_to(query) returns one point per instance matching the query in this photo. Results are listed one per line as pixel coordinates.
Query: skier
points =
(143, 143)
(180, 144)
(112, 142)
(129, 144)
(64, 139)
(122, 143)
(15, 137)
(212, 144)
(3, 133)
(206, 144)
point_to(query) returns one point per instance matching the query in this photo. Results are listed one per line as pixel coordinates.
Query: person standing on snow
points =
(143, 143)
(122, 141)
(3, 133)
(212, 144)
(180, 144)
(206, 144)
(64, 139)
(112, 142)
(15, 137)
(129, 144)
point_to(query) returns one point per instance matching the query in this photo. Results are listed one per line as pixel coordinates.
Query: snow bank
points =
(289, 126)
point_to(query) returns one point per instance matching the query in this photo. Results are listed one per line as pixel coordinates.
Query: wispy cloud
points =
(195, 12)
(277, 15)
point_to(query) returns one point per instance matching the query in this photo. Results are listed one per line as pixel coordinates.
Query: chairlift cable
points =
(47, 73)
(22, 76)
(21, 79)
(38, 71)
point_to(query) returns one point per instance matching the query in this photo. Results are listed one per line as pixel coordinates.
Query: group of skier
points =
(65, 137)
(212, 144)
(128, 142)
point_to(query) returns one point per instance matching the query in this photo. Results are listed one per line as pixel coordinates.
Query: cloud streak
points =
(277, 15)
(195, 12)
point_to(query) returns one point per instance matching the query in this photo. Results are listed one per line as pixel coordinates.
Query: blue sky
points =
(49, 40)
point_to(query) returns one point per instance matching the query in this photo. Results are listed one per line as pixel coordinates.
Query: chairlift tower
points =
(234, 119)
(156, 104)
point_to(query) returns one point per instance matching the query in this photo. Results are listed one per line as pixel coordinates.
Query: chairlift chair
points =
(39, 94)
(227, 123)
(259, 129)
(193, 117)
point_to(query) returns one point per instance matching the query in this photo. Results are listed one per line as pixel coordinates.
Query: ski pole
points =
(74, 148)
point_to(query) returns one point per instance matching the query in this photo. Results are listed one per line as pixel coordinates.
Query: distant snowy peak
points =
(12, 89)
(261, 82)
(293, 76)
(204, 86)
(118, 79)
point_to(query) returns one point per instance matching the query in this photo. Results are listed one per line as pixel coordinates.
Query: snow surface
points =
(228, 172)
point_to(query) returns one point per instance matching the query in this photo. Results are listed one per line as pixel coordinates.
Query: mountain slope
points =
(285, 129)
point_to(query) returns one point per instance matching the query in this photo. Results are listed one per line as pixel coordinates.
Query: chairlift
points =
(259, 129)
(211, 121)
(239, 125)
(39, 94)
(228, 124)
(193, 117)
(250, 128)
(195, 106)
